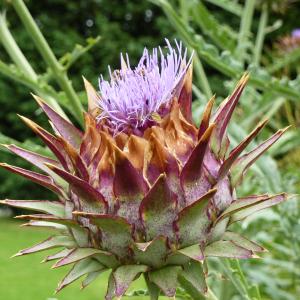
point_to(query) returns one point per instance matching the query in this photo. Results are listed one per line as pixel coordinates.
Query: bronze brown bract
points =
(159, 202)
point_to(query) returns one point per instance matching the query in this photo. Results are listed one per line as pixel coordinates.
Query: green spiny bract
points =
(156, 201)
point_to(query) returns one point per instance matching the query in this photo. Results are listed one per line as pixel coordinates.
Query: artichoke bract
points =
(142, 190)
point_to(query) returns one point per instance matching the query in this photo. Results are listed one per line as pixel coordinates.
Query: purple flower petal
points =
(132, 95)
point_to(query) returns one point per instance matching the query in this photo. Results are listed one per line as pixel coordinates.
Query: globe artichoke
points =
(142, 189)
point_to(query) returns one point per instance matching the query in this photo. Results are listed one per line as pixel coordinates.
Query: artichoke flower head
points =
(143, 190)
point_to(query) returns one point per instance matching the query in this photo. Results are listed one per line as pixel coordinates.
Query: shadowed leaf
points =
(51, 207)
(166, 279)
(116, 232)
(227, 249)
(158, 210)
(121, 278)
(242, 241)
(152, 253)
(241, 165)
(52, 242)
(194, 252)
(193, 222)
(80, 268)
(76, 255)
(192, 279)
(239, 149)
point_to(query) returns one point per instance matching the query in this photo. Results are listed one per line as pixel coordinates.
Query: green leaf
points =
(71, 57)
(227, 249)
(52, 207)
(51, 242)
(90, 278)
(158, 210)
(228, 5)
(80, 268)
(244, 213)
(222, 35)
(58, 255)
(193, 222)
(166, 279)
(153, 289)
(152, 253)
(121, 278)
(116, 232)
(192, 279)
(242, 241)
(194, 252)
(241, 165)
(241, 204)
(76, 255)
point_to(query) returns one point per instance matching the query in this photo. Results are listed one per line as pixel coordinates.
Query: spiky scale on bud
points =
(145, 193)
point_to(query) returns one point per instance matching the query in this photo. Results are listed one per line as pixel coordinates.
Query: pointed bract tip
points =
(16, 255)
(206, 135)
(38, 99)
(21, 217)
(77, 213)
(245, 78)
(82, 213)
(87, 84)
(288, 196)
(5, 145)
(255, 256)
(28, 122)
(283, 130)
(50, 166)
(263, 122)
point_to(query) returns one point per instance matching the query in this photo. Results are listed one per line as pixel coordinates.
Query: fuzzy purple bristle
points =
(296, 33)
(133, 95)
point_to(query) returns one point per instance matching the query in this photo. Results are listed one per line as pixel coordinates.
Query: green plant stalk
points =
(238, 284)
(46, 92)
(13, 49)
(245, 28)
(184, 10)
(201, 76)
(241, 274)
(49, 57)
(261, 35)
(288, 59)
(23, 65)
(228, 5)
(222, 35)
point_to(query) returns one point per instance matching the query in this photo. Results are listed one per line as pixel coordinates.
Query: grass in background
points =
(25, 278)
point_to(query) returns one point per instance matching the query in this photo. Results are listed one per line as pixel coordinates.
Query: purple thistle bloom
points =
(296, 33)
(133, 96)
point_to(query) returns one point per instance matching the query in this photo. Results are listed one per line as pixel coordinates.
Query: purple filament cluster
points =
(134, 95)
(296, 33)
